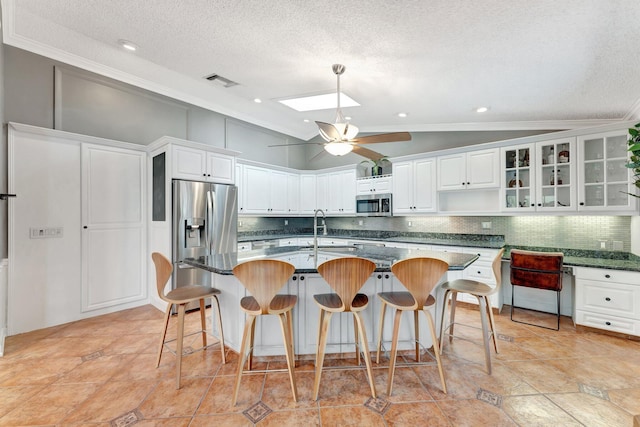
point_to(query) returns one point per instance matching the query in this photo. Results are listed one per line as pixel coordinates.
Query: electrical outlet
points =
(239, 223)
(486, 225)
(602, 244)
(360, 222)
(409, 224)
(286, 222)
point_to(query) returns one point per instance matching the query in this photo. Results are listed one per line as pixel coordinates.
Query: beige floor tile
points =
(277, 393)
(49, 406)
(543, 376)
(415, 414)
(344, 387)
(536, 410)
(350, 416)
(627, 399)
(459, 384)
(219, 396)
(591, 410)
(407, 387)
(165, 401)
(502, 380)
(474, 413)
(300, 417)
(111, 401)
(11, 397)
(37, 371)
(236, 420)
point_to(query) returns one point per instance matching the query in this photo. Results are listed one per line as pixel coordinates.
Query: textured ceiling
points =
(537, 64)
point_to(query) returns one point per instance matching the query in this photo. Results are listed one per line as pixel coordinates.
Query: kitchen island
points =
(306, 282)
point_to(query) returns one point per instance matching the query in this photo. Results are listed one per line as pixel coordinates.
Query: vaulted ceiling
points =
(536, 64)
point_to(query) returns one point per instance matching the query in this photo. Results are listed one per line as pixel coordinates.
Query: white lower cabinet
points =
(608, 299)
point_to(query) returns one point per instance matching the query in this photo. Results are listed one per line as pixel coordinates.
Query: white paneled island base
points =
(268, 339)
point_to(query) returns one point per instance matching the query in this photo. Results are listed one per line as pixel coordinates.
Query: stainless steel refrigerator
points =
(205, 222)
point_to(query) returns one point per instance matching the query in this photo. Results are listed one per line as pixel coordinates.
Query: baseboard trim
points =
(582, 329)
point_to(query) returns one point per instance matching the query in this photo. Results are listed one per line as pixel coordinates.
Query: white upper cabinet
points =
(518, 183)
(555, 175)
(200, 165)
(307, 194)
(374, 184)
(293, 193)
(468, 171)
(604, 180)
(264, 191)
(341, 193)
(414, 186)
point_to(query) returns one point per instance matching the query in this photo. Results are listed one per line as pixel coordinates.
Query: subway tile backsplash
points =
(572, 232)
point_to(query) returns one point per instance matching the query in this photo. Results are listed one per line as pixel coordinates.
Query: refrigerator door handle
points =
(208, 226)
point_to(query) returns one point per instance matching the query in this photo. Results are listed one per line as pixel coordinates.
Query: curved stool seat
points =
(482, 292)
(420, 276)
(263, 278)
(345, 276)
(182, 296)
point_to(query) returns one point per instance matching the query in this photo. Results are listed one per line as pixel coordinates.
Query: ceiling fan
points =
(340, 136)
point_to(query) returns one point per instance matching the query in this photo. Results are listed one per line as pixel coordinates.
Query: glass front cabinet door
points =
(605, 181)
(518, 178)
(555, 175)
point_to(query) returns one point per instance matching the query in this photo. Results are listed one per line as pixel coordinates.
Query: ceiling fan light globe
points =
(338, 148)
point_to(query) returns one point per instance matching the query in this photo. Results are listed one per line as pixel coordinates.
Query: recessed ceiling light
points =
(319, 102)
(347, 117)
(482, 109)
(257, 100)
(128, 45)
(306, 120)
(402, 114)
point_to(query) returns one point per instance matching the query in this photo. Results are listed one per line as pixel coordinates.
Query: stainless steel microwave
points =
(374, 205)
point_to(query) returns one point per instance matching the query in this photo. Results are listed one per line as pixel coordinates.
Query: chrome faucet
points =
(315, 232)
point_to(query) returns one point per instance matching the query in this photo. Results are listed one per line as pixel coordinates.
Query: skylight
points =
(319, 102)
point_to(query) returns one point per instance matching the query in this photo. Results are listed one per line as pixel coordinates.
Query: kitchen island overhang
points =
(306, 282)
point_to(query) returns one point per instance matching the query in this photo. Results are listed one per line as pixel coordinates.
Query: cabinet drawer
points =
(608, 298)
(480, 272)
(486, 255)
(288, 242)
(610, 323)
(243, 247)
(617, 276)
(441, 248)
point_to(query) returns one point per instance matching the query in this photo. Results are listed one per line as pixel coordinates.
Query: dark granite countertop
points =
(443, 239)
(382, 256)
(610, 260)
(613, 260)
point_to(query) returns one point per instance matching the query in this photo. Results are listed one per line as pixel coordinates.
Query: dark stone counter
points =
(302, 257)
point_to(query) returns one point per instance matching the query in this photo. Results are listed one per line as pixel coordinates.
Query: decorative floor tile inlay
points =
(92, 356)
(377, 405)
(128, 419)
(489, 397)
(593, 391)
(257, 412)
(503, 337)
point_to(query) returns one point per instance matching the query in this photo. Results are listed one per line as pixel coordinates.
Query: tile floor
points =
(101, 372)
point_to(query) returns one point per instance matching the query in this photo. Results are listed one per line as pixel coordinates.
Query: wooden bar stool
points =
(345, 276)
(539, 270)
(482, 292)
(419, 276)
(263, 278)
(181, 297)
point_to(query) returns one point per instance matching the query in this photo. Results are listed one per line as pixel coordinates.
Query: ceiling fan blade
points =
(330, 131)
(383, 137)
(365, 152)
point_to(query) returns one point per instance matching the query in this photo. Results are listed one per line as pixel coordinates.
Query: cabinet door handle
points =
(607, 323)
(386, 276)
(607, 299)
(379, 276)
(608, 276)
(581, 203)
(294, 278)
(204, 174)
(301, 278)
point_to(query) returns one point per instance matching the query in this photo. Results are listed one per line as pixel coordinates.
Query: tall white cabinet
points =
(77, 229)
